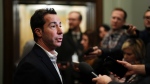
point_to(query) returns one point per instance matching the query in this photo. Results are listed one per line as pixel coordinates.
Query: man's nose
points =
(115, 20)
(59, 30)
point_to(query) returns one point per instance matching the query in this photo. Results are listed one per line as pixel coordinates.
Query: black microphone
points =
(86, 69)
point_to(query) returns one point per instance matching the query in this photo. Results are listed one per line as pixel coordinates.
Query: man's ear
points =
(38, 32)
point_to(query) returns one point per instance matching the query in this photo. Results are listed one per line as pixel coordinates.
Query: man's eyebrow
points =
(54, 23)
(51, 23)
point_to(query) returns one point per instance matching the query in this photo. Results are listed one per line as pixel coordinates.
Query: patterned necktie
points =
(75, 38)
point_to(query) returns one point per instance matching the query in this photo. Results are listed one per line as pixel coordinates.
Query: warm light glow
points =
(25, 12)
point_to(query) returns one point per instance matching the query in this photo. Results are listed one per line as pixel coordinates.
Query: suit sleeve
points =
(27, 74)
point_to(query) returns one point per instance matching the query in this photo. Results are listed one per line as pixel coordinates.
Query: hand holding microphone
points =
(87, 69)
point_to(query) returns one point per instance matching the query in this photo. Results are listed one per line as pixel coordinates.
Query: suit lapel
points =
(46, 60)
(71, 40)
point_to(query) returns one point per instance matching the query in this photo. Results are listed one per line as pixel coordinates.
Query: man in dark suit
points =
(39, 65)
(71, 49)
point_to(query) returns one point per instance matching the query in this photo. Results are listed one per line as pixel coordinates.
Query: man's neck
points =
(77, 29)
(43, 45)
(114, 30)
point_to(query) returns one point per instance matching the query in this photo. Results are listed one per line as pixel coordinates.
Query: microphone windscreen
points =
(85, 68)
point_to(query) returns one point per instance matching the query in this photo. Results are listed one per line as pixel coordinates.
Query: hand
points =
(128, 66)
(63, 67)
(95, 53)
(131, 30)
(102, 79)
(116, 78)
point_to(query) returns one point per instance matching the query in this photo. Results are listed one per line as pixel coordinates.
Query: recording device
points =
(89, 50)
(86, 69)
(126, 27)
(112, 65)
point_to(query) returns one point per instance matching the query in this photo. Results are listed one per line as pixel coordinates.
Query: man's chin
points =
(71, 27)
(58, 45)
(114, 28)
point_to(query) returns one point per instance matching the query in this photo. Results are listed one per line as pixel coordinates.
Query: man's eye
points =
(53, 26)
(129, 54)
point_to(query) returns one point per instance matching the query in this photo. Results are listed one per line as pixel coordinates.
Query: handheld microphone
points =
(86, 69)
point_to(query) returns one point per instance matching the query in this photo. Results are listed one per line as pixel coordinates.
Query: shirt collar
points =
(75, 33)
(50, 55)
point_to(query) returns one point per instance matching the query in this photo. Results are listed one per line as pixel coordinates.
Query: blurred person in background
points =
(88, 41)
(134, 53)
(138, 70)
(112, 42)
(142, 69)
(145, 34)
(102, 32)
(71, 49)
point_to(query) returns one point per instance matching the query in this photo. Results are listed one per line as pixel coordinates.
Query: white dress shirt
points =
(53, 58)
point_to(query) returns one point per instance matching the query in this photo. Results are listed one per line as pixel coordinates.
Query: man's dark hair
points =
(148, 10)
(106, 27)
(37, 19)
(80, 16)
(125, 13)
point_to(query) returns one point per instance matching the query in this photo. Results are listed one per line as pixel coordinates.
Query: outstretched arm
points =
(133, 69)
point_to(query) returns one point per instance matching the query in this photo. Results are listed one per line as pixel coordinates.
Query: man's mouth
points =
(59, 39)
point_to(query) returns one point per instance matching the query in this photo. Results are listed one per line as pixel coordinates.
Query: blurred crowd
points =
(118, 40)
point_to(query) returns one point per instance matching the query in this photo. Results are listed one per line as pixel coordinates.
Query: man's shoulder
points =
(29, 62)
(30, 57)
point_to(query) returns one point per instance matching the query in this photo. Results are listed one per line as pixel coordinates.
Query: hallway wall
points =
(135, 10)
(1, 42)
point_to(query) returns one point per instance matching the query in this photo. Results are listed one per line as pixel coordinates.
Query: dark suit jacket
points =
(36, 68)
(65, 52)
(144, 35)
(68, 47)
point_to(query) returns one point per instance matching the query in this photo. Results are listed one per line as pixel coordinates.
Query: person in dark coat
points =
(39, 65)
(71, 49)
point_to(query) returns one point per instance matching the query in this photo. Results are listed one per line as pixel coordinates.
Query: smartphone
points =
(113, 66)
(126, 27)
(89, 50)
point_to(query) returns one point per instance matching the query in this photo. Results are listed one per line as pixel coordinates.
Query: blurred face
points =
(74, 21)
(147, 19)
(51, 35)
(102, 32)
(117, 19)
(85, 42)
(129, 56)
